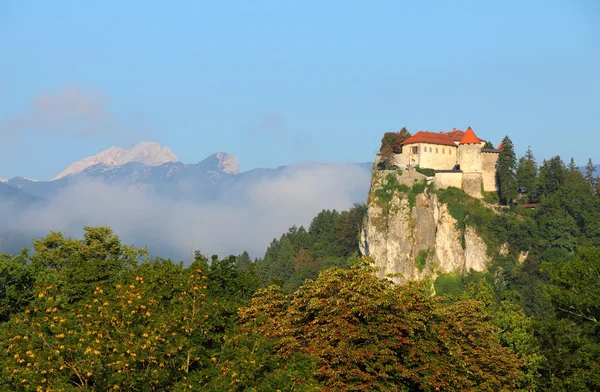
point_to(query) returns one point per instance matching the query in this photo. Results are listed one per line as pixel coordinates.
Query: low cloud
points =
(247, 219)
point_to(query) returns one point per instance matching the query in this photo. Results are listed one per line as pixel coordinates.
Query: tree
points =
(488, 144)
(76, 266)
(572, 167)
(243, 261)
(369, 334)
(17, 279)
(572, 340)
(401, 136)
(553, 175)
(527, 172)
(589, 175)
(506, 173)
(147, 330)
(386, 152)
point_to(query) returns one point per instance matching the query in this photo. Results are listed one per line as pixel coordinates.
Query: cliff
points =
(410, 233)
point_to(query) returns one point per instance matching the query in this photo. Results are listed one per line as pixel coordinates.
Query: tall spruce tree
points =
(553, 175)
(572, 166)
(589, 175)
(506, 172)
(527, 171)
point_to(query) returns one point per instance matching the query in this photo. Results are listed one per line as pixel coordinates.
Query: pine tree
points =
(589, 174)
(506, 173)
(572, 166)
(553, 175)
(527, 172)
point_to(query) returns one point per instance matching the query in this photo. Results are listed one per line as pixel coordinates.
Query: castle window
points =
(443, 150)
(436, 150)
(415, 150)
(430, 149)
(450, 152)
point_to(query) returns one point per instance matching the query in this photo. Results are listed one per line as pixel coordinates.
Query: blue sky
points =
(283, 82)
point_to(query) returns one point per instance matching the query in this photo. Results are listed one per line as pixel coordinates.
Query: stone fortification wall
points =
(469, 157)
(472, 183)
(488, 165)
(445, 180)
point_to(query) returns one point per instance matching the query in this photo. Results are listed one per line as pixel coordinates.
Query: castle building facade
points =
(458, 158)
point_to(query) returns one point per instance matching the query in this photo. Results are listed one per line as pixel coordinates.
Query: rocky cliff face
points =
(412, 235)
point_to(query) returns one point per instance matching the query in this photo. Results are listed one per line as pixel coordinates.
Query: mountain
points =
(15, 195)
(172, 206)
(147, 153)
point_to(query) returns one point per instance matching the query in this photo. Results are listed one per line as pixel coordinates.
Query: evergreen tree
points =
(506, 173)
(527, 172)
(589, 175)
(572, 166)
(243, 261)
(553, 175)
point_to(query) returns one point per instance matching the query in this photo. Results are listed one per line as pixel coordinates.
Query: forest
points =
(97, 314)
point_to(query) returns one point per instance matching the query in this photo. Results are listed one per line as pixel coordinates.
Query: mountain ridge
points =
(148, 153)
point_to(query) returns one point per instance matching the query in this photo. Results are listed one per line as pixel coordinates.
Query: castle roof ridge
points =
(469, 137)
(431, 138)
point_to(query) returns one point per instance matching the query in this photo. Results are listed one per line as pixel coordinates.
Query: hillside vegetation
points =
(96, 314)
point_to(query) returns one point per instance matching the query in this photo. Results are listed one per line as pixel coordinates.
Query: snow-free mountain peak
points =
(148, 153)
(227, 163)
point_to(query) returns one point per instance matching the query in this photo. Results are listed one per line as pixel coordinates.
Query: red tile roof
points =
(455, 134)
(500, 146)
(470, 137)
(429, 137)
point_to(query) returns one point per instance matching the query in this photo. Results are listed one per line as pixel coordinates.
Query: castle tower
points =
(469, 158)
(469, 152)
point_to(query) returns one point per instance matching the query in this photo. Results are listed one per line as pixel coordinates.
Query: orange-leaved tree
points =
(369, 334)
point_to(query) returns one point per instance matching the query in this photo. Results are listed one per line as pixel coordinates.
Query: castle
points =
(459, 159)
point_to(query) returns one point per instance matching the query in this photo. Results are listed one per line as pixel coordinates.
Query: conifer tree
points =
(572, 166)
(553, 175)
(527, 172)
(589, 174)
(506, 173)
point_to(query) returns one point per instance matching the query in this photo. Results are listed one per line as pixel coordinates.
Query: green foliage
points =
(553, 175)
(391, 186)
(506, 173)
(96, 314)
(343, 317)
(331, 240)
(425, 171)
(527, 172)
(391, 144)
(590, 168)
(422, 257)
(16, 284)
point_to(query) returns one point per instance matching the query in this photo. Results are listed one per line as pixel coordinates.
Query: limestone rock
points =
(413, 242)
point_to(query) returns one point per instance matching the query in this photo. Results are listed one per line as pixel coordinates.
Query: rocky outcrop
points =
(414, 236)
(148, 153)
